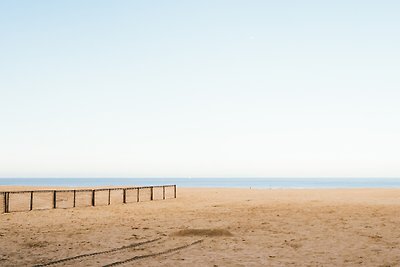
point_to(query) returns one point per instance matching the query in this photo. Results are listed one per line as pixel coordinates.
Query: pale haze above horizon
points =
(199, 89)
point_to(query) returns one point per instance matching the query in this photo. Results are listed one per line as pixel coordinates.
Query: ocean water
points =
(273, 183)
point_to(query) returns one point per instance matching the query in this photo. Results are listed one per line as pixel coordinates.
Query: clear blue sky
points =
(199, 88)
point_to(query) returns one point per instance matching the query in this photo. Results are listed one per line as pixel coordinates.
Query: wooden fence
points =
(12, 201)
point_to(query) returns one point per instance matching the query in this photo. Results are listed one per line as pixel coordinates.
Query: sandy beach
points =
(214, 227)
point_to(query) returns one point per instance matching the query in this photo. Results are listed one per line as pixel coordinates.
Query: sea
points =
(270, 183)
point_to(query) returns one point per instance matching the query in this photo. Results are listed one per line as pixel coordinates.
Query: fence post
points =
(5, 202)
(54, 199)
(8, 202)
(151, 193)
(109, 196)
(138, 195)
(124, 196)
(175, 191)
(31, 206)
(74, 198)
(163, 192)
(93, 197)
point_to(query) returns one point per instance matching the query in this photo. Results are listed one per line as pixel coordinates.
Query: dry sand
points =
(239, 227)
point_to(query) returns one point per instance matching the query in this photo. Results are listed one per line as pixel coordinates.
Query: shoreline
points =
(4, 188)
(261, 183)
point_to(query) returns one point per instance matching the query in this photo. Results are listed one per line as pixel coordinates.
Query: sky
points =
(199, 88)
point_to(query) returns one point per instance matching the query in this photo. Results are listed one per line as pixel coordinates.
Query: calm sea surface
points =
(212, 182)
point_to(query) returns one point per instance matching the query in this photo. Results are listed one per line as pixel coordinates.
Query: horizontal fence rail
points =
(12, 201)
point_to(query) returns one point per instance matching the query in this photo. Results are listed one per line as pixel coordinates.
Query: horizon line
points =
(217, 177)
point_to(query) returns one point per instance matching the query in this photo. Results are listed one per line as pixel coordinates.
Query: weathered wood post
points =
(175, 191)
(4, 203)
(151, 193)
(31, 206)
(137, 198)
(124, 196)
(163, 192)
(109, 196)
(7, 202)
(54, 199)
(93, 198)
(74, 198)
